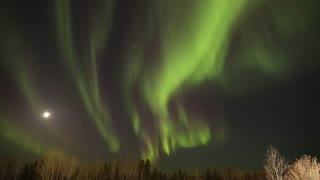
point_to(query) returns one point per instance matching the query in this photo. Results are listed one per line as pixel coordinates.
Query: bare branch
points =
(275, 166)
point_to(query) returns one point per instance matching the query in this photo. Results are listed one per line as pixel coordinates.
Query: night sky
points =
(185, 83)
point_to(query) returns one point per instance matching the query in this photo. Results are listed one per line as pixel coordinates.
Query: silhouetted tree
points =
(160, 175)
(28, 172)
(216, 176)
(164, 177)
(228, 174)
(65, 168)
(154, 175)
(147, 169)
(208, 175)
(140, 169)
(180, 175)
(107, 169)
(117, 174)
(174, 176)
(247, 176)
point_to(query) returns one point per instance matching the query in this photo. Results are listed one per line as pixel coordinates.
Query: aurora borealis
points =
(177, 82)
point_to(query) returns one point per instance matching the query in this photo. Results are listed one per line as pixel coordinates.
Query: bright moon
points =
(46, 114)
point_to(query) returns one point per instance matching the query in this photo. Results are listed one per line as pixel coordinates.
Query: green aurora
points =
(88, 88)
(193, 42)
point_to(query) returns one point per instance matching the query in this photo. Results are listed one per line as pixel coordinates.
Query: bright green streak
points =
(98, 37)
(194, 39)
(88, 88)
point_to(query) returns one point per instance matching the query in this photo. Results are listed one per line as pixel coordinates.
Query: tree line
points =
(58, 166)
(55, 165)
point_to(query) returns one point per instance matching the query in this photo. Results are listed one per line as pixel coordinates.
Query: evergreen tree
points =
(180, 175)
(28, 172)
(160, 175)
(208, 175)
(154, 175)
(147, 169)
(107, 169)
(174, 176)
(140, 169)
(216, 176)
(117, 174)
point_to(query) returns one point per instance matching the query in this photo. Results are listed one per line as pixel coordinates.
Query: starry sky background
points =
(109, 72)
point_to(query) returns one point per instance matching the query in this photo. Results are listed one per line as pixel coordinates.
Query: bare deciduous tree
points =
(50, 165)
(275, 166)
(57, 165)
(305, 168)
